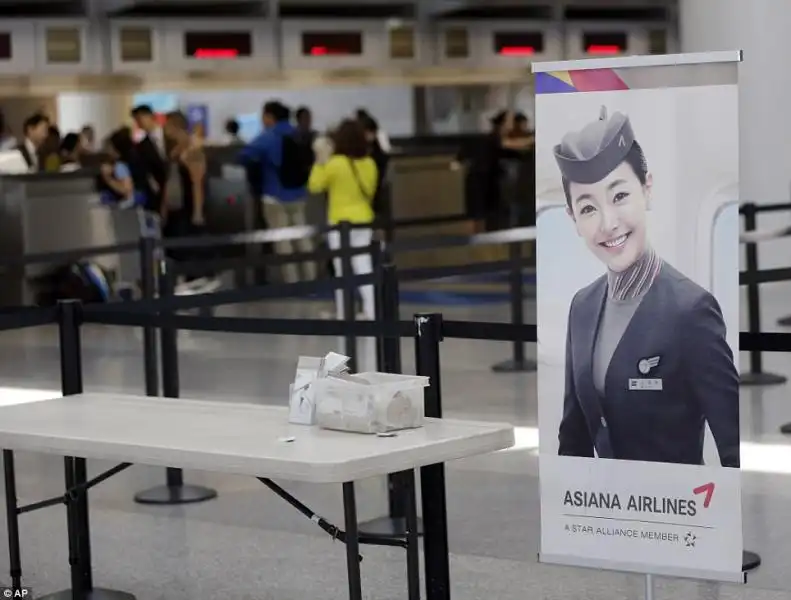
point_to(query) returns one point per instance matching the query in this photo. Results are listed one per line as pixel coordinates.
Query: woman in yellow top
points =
(349, 177)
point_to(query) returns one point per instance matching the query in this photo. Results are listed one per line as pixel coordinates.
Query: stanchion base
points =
(755, 379)
(513, 366)
(388, 527)
(183, 494)
(785, 321)
(750, 561)
(96, 594)
(786, 429)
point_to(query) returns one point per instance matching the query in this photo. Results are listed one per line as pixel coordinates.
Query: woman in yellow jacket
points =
(349, 177)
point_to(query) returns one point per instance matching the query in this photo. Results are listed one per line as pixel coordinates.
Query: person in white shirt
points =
(36, 132)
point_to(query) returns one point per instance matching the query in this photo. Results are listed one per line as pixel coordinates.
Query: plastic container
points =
(370, 402)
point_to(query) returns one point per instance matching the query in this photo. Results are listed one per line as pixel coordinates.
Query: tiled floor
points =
(248, 544)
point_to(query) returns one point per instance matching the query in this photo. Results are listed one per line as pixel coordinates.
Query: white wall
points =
(391, 105)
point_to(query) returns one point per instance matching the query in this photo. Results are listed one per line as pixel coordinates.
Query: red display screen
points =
(218, 44)
(604, 43)
(513, 43)
(347, 43)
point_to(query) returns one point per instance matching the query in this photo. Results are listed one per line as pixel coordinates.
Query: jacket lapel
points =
(588, 318)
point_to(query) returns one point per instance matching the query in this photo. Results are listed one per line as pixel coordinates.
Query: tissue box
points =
(370, 402)
(302, 404)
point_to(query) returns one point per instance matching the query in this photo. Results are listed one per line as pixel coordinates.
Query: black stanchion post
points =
(432, 478)
(148, 284)
(756, 374)
(518, 364)
(78, 523)
(350, 339)
(399, 484)
(174, 491)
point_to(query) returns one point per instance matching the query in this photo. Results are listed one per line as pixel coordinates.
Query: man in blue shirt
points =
(283, 206)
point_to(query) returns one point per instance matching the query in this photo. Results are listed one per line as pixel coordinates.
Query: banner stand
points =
(638, 386)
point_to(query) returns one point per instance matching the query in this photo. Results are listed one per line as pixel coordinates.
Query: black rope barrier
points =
(756, 375)
(24, 317)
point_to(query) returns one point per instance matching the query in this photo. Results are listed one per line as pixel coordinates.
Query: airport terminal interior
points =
(441, 93)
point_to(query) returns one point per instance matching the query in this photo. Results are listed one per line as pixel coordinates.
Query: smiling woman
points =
(647, 361)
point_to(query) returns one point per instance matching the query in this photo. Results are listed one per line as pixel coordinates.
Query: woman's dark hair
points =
(121, 140)
(369, 125)
(635, 158)
(350, 140)
(69, 143)
(232, 127)
(498, 119)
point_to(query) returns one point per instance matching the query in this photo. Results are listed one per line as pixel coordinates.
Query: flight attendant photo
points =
(647, 361)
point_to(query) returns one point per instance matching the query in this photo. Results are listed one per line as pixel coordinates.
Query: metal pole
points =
(148, 285)
(756, 374)
(518, 364)
(174, 491)
(12, 520)
(649, 587)
(432, 477)
(350, 339)
(71, 384)
(398, 484)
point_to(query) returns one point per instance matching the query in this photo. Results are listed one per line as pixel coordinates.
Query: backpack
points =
(84, 280)
(296, 162)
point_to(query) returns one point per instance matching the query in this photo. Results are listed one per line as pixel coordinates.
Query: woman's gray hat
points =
(589, 155)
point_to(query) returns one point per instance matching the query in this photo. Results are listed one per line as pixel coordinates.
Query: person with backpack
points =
(348, 174)
(286, 162)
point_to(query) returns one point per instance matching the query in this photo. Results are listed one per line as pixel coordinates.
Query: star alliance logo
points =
(690, 539)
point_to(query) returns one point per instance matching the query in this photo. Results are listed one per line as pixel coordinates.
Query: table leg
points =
(83, 523)
(435, 532)
(80, 540)
(12, 520)
(412, 534)
(352, 542)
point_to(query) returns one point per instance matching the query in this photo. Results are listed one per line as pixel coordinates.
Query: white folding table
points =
(244, 439)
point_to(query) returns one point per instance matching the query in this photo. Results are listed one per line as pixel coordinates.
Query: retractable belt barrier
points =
(753, 277)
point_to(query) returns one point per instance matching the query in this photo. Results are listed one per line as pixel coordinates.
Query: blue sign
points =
(198, 114)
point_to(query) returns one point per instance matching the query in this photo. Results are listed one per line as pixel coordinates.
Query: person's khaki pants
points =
(290, 214)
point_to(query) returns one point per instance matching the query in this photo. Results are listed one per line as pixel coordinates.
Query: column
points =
(761, 29)
(104, 111)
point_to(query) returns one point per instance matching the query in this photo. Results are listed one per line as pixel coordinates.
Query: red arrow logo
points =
(707, 489)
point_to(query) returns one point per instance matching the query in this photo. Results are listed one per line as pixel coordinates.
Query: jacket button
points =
(603, 422)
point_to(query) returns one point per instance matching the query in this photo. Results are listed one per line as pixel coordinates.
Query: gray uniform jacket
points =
(678, 333)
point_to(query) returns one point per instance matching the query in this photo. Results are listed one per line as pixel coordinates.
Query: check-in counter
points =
(52, 212)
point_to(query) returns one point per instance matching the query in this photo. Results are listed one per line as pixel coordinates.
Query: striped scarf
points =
(635, 280)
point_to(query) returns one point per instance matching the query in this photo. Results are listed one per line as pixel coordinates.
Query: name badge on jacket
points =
(645, 384)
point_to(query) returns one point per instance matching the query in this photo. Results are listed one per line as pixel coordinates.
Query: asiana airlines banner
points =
(638, 314)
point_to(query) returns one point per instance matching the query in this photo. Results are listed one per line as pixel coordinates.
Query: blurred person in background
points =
(381, 135)
(382, 160)
(7, 141)
(35, 132)
(88, 135)
(49, 153)
(305, 131)
(286, 165)
(153, 157)
(71, 150)
(185, 197)
(346, 172)
(121, 179)
(232, 133)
